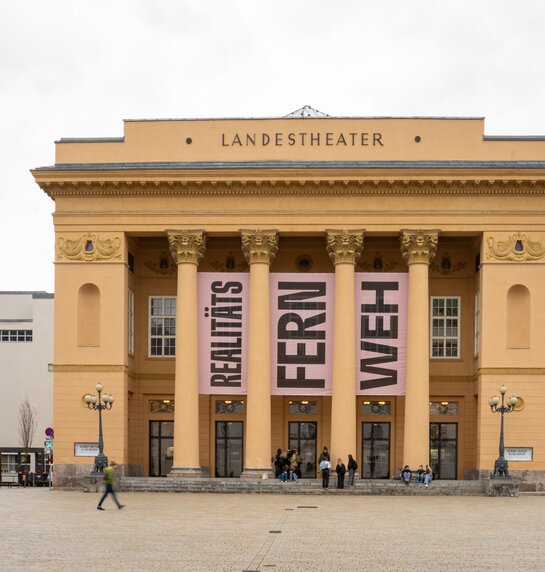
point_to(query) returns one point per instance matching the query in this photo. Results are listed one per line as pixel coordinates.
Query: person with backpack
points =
(325, 468)
(352, 468)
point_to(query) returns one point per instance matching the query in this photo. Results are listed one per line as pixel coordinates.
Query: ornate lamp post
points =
(102, 402)
(501, 468)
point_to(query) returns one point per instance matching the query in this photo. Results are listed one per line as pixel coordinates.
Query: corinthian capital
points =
(344, 245)
(187, 245)
(259, 245)
(418, 246)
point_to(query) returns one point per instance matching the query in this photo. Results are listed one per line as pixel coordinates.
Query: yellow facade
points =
(124, 207)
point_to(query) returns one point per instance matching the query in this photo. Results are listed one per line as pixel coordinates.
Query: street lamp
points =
(102, 402)
(501, 468)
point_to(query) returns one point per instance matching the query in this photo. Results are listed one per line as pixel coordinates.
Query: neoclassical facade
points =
(243, 285)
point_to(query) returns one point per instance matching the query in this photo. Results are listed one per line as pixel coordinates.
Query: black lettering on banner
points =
(388, 354)
(368, 365)
(303, 291)
(300, 381)
(293, 325)
(226, 323)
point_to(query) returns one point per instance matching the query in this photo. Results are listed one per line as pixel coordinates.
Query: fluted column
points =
(187, 248)
(418, 248)
(344, 248)
(259, 248)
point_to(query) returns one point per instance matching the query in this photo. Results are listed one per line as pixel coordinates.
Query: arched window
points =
(89, 315)
(518, 317)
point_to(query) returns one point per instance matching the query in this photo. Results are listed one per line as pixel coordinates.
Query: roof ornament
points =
(306, 112)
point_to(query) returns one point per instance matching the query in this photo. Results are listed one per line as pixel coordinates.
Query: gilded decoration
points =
(377, 264)
(89, 247)
(162, 266)
(230, 264)
(187, 246)
(344, 246)
(259, 245)
(418, 246)
(516, 247)
(443, 265)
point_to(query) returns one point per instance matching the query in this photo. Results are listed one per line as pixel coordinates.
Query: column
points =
(187, 248)
(418, 248)
(259, 248)
(344, 248)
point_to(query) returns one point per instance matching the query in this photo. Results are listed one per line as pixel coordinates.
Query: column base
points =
(189, 472)
(256, 473)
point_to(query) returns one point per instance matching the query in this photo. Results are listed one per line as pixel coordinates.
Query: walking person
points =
(325, 468)
(109, 482)
(352, 468)
(340, 469)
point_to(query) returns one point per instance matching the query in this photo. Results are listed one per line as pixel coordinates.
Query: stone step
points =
(306, 486)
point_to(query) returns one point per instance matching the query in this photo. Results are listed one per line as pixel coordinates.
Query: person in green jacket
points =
(109, 482)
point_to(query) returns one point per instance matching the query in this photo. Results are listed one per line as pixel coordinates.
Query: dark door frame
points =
(158, 438)
(226, 439)
(455, 423)
(315, 423)
(389, 423)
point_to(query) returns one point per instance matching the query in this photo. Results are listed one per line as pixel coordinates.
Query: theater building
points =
(243, 285)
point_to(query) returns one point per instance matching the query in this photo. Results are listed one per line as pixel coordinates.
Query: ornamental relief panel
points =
(515, 247)
(445, 264)
(88, 247)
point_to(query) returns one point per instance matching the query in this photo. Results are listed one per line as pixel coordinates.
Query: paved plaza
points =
(61, 530)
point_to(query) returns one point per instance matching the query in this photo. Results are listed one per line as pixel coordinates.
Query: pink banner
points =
(301, 333)
(381, 327)
(223, 343)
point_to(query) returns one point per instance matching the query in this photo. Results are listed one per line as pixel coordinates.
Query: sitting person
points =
(285, 474)
(428, 475)
(420, 474)
(293, 467)
(406, 474)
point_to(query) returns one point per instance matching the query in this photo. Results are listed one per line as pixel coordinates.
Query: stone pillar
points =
(187, 248)
(259, 248)
(344, 248)
(418, 248)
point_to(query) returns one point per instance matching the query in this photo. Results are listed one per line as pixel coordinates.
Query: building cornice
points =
(315, 186)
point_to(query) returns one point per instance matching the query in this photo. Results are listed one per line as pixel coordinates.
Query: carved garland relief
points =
(88, 247)
(516, 247)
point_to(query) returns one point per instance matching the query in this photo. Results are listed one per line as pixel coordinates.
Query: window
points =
(130, 337)
(303, 407)
(376, 408)
(9, 463)
(445, 328)
(443, 408)
(15, 335)
(477, 323)
(229, 406)
(161, 406)
(162, 326)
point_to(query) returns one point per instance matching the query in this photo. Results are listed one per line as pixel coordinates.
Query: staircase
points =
(300, 487)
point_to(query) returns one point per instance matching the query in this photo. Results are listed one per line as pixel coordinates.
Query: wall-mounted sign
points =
(85, 449)
(519, 453)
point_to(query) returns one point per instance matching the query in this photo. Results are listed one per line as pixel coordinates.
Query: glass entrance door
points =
(444, 450)
(161, 440)
(302, 438)
(229, 451)
(375, 450)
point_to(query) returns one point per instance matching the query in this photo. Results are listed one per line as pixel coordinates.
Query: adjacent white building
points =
(26, 352)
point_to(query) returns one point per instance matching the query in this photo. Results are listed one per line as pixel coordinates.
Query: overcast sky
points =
(77, 68)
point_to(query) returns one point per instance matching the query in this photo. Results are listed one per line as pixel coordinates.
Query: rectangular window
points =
(445, 327)
(477, 323)
(130, 309)
(9, 463)
(162, 326)
(15, 335)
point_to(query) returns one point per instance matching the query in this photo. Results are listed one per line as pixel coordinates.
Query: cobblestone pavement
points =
(60, 530)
